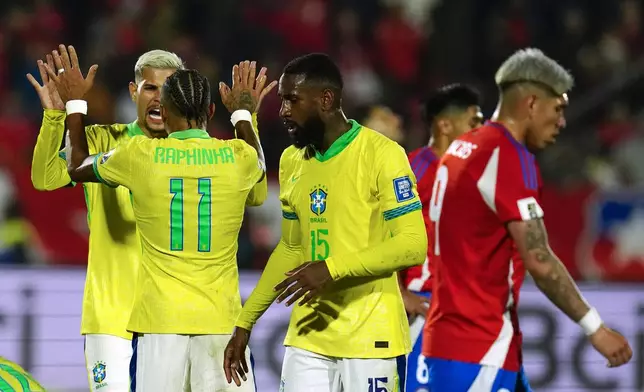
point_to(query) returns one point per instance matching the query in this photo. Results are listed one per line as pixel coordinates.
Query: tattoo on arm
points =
(550, 274)
(245, 101)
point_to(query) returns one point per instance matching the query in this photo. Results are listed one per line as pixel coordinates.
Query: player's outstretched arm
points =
(285, 257)
(398, 199)
(244, 98)
(406, 247)
(553, 279)
(48, 166)
(72, 87)
(258, 194)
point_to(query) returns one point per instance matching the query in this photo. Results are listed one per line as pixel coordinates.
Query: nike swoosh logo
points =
(295, 178)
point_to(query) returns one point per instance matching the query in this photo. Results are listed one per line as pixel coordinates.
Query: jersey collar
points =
(133, 129)
(340, 143)
(190, 134)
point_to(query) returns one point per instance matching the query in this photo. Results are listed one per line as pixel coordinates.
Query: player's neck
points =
(335, 126)
(514, 127)
(439, 145)
(144, 129)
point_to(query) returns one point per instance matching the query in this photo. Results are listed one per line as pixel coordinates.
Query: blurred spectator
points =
(383, 120)
(391, 52)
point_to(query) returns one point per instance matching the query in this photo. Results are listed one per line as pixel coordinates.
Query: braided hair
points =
(187, 94)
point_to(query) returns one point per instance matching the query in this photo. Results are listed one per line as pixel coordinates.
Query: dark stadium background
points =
(392, 53)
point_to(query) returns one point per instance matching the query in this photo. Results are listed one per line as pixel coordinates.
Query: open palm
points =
(247, 91)
(47, 92)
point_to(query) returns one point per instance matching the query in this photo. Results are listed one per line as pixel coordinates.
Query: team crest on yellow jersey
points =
(318, 199)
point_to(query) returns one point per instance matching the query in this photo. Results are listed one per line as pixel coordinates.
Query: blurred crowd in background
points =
(392, 54)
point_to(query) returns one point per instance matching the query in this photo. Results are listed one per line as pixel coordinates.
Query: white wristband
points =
(591, 322)
(76, 106)
(241, 115)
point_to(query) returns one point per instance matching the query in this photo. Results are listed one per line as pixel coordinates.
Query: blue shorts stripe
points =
(135, 341)
(453, 376)
(401, 365)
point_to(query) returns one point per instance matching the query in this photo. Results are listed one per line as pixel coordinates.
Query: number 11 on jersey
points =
(204, 214)
(436, 204)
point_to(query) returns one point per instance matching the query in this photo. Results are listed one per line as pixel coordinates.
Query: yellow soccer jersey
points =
(343, 200)
(114, 247)
(189, 192)
(14, 378)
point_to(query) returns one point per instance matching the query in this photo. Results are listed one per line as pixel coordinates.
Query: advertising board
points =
(40, 321)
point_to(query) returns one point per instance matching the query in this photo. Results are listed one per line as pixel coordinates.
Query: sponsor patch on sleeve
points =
(529, 209)
(403, 189)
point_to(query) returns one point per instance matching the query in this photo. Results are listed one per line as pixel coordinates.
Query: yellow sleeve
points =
(259, 193)
(398, 198)
(114, 168)
(48, 164)
(286, 256)
(247, 157)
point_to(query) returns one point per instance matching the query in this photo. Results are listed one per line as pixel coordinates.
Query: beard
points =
(311, 133)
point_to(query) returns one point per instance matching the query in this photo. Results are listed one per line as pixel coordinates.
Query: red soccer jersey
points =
(485, 179)
(424, 163)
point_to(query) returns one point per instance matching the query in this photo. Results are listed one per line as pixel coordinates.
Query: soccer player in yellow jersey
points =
(188, 195)
(114, 247)
(14, 378)
(351, 219)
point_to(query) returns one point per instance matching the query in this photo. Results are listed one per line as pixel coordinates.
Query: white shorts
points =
(306, 371)
(175, 363)
(107, 359)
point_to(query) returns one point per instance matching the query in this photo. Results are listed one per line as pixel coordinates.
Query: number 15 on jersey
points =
(436, 203)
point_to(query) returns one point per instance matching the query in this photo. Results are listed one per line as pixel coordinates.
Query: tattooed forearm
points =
(244, 101)
(549, 273)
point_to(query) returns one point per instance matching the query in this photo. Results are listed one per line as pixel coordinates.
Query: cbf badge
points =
(318, 199)
(100, 373)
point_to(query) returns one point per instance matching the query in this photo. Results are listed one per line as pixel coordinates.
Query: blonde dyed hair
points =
(158, 59)
(533, 66)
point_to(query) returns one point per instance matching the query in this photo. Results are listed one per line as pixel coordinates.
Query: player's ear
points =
(445, 126)
(532, 103)
(133, 91)
(164, 113)
(211, 110)
(328, 100)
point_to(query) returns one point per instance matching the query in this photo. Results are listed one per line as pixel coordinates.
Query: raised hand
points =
(247, 91)
(69, 79)
(48, 94)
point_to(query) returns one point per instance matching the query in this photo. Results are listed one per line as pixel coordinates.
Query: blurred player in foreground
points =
(187, 296)
(449, 112)
(107, 302)
(13, 378)
(350, 207)
(485, 207)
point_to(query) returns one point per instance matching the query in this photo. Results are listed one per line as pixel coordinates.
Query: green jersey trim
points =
(341, 143)
(133, 129)
(190, 134)
(289, 215)
(402, 210)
